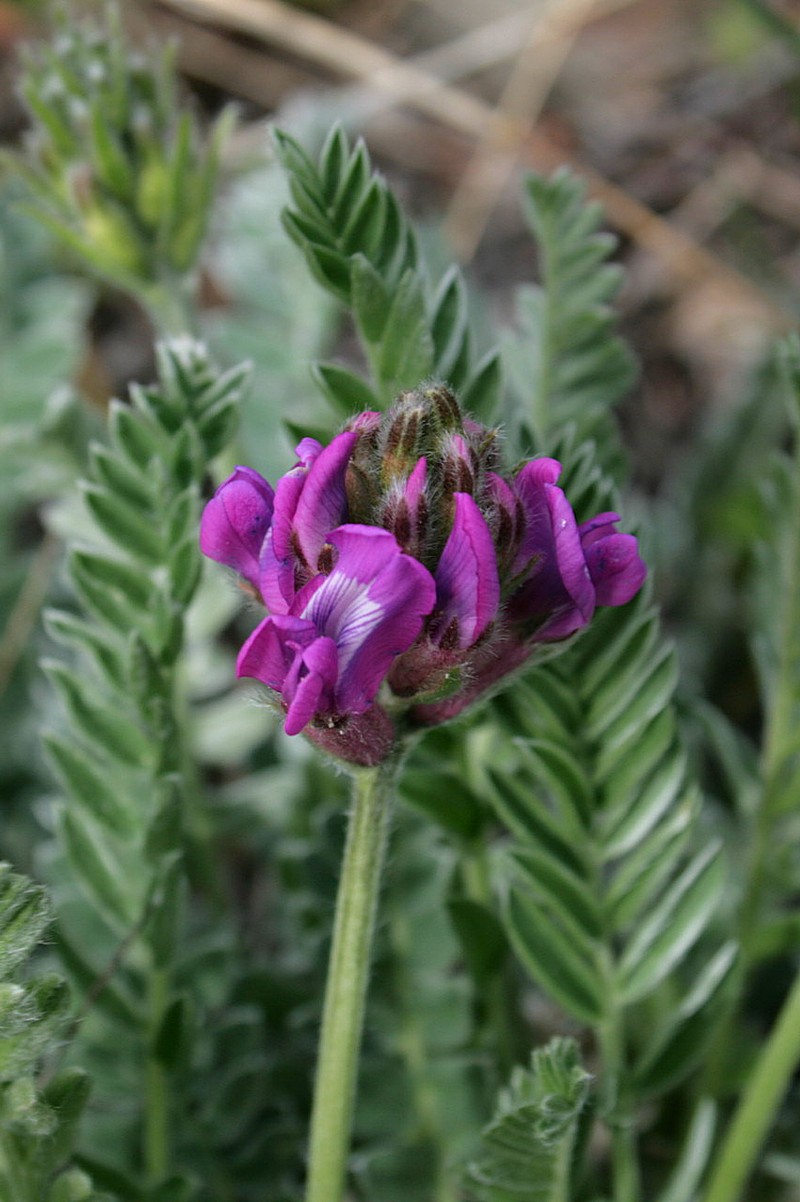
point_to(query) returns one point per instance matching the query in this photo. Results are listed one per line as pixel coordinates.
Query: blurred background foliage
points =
(683, 118)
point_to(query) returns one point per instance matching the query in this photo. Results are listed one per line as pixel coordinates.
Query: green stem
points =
(562, 1171)
(345, 992)
(624, 1158)
(758, 1105)
(156, 1118)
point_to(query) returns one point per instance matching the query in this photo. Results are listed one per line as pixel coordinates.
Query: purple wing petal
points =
(323, 501)
(373, 604)
(467, 584)
(313, 692)
(287, 654)
(236, 520)
(268, 654)
(616, 568)
(279, 554)
(597, 527)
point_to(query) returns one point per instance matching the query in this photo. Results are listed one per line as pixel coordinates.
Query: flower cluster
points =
(404, 573)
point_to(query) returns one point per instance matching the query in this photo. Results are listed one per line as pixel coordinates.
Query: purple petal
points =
(531, 483)
(323, 502)
(236, 520)
(279, 552)
(569, 552)
(597, 527)
(286, 654)
(307, 451)
(616, 568)
(415, 486)
(467, 584)
(268, 655)
(316, 681)
(559, 587)
(373, 604)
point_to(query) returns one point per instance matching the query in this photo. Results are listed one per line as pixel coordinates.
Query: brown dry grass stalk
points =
(348, 54)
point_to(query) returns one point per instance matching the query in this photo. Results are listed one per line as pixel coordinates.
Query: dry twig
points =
(546, 48)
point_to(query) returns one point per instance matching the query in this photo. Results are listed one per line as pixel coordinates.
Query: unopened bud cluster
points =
(405, 572)
(114, 167)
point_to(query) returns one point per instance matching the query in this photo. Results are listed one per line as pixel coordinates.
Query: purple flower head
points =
(330, 653)
(403, 557)
(236, 520)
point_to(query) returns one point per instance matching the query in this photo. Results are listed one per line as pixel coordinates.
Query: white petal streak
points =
(343, 610)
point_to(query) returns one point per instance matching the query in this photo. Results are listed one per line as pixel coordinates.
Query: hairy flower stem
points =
(758, 1105)
(348, 973)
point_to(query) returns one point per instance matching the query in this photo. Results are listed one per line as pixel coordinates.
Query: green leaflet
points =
(681, 1043)
(148, 180)
(567, 364)
(37, 1127)
(632, 818)
(361, 248)
(347, 392)
(685, 1178)
(526, 1149)
(120, 753)
(103, 871)
(564, 963)
(86, 780)
(24, 915)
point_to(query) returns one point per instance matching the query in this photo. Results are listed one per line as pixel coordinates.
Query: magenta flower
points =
(563, 570)
(400, 564)
(330, 653)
